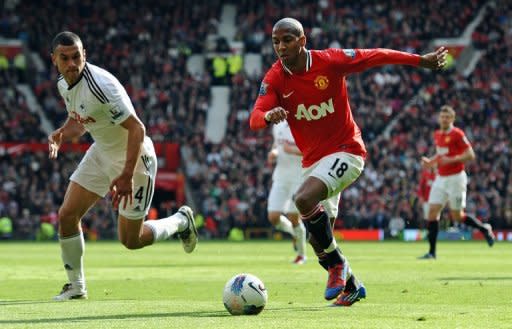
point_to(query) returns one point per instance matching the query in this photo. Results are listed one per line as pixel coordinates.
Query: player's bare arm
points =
(429, 162)
(291, 149)
(468, 155)
(435, 60)
(70, 130)
(122, 186)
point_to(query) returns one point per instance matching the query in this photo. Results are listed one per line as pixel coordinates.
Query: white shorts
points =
(337, 171)
(280, 198)
(425, 210)
(451, 189)
(97, 170)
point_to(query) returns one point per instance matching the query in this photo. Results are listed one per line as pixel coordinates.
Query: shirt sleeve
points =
(267, 100)
(119, 106)
(356, 60)
(463, 142)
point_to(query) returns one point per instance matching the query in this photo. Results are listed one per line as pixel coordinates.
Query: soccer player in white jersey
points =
(121, 161)
(286, 180)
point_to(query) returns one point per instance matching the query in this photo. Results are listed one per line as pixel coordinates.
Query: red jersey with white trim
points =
(450, 143)
(316, 99)
(426, 180)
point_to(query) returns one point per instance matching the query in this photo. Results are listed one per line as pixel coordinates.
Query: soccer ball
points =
(244, 294)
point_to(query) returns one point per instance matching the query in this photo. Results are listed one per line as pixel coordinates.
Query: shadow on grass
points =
(196, 314)
(474, 278)
(209, 314)
(21, 302)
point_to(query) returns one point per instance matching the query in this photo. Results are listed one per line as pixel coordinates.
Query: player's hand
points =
(443, 160)
(271, 157)
(427, 163)
(435, 60)
(276, 115)
(121, 190)
(54, 142)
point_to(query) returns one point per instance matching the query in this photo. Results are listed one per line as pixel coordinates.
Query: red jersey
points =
(426, 180)
(316, 99)
(450, 143)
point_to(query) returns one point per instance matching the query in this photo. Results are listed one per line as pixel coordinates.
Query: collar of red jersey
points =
(447, 131)
(309, 63)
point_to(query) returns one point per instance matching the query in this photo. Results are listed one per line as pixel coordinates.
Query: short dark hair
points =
(291, 24)
(65, 38)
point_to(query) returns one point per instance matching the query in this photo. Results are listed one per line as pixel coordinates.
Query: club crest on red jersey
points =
(321, 82)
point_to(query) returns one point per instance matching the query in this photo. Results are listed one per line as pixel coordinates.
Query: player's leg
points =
(277, 199)
(354, 289)
(299, 237)
(77, 201)
(134, 233)
(88, 183)
(434, 212)
(328, 177)
(457, 204)
(472, 221)
(437, 199)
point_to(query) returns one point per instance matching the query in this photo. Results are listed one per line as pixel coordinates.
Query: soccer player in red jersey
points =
(452, 151)
(308, 89)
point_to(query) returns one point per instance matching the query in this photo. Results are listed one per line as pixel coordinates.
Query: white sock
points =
(300, 235)
(72, 252)
(331, 247)
(165, 227)
(285, 225)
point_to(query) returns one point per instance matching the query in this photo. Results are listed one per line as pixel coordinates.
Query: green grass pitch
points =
(468, 286)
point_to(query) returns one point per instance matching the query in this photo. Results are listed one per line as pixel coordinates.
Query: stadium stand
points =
(228, 181)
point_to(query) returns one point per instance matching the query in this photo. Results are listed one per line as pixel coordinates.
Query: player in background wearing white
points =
(453, 150)
(286, 179)
(121, 160)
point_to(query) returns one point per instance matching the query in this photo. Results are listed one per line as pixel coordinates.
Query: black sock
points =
(320, 228)
(335, 257)
(433, 228)
(473, 222)
(324, 263)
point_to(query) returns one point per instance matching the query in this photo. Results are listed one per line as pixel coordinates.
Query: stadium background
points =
(193, 71)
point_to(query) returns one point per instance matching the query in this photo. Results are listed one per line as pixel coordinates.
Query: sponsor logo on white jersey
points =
(80, 119)
(314, 112)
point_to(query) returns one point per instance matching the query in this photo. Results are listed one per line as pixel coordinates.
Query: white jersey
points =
(288, 166)
(100, 103)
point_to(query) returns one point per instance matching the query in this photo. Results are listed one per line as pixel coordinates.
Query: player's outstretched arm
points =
(435, 60)
(71, 129)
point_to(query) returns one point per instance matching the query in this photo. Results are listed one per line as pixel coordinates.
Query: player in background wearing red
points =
(307, 88)
(452, 151)
(428, 175)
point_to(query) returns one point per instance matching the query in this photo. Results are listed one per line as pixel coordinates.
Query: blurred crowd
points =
(146, 45)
